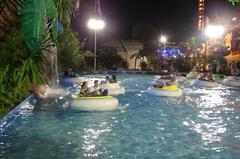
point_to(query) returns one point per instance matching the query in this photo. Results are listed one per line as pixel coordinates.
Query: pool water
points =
(203, 123)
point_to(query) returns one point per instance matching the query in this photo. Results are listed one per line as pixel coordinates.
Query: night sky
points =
(175, 18)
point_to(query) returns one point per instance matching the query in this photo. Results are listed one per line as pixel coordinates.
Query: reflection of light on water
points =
(211, 100)
(210, 132)
(210, 124)
(91, 140)
(26, 110)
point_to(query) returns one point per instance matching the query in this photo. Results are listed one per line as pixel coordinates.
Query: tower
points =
(201, 16)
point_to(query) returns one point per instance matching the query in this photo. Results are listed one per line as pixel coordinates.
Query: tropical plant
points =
(138, 55)
(182, 65)
(28, 48)
(108, 58)
(9, 16)
(65, 11)
(69, 51)
(14, 84)
(234, 1)
(194, 45)
(154, 62)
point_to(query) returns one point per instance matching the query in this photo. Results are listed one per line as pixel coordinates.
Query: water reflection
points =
(93, 139)
(210, 122)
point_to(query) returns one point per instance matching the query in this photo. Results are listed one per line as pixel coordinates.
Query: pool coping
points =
(14, 112)
(128, 72)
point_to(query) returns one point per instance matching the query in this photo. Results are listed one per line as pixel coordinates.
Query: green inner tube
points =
(219, 76)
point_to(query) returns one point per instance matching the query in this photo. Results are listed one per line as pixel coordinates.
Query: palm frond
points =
(32, 18)
(9, 16)
(29, 72)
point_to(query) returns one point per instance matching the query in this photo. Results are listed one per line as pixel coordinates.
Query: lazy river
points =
(203, 123)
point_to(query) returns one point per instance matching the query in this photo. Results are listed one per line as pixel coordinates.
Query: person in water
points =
(113, 79)
(158, 84)
(97, 91)
(107, 80)
(209, 76)
(171, 81)
(206, 76)
(66, 72)
(84, 91)
(69, 73)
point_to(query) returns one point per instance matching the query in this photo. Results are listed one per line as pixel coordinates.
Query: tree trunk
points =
(135, 64)
(194, 58)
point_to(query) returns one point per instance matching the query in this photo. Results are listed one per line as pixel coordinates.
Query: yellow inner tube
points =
(95, 97)
(169, 88)
(193, 73)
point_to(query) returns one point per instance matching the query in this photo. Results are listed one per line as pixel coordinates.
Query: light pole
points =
(95, 24)
(214, 32)
(163, 40)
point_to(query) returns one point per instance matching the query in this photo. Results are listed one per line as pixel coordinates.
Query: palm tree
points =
(138, 55)
(194, 49)
(234, 1)
(65, 11)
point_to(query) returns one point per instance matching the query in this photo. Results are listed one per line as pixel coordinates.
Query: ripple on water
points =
(203, 123)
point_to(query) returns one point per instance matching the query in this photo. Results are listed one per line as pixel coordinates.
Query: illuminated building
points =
(201, 17)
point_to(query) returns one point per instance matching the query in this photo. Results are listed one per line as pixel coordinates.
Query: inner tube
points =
(181, 79)
(116, 91)
(75, 80)
(110, 86)
(168, 91)
(232, 82)
(169, 88)
(113, 88)
(204, 83)
(98, 103)
(192, 75)
(219, 78)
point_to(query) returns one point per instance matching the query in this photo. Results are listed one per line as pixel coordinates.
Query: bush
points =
(14, 52)
(10, 93)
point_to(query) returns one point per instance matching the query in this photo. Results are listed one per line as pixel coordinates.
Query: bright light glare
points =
(96, 24)
(214, 31)
(163, 39)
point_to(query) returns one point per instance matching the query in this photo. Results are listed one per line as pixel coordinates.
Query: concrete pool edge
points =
(14, 112)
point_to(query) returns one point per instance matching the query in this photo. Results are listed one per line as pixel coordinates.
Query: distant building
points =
(126, 48)
(201, 16)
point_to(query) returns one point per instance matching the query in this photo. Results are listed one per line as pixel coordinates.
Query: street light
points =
(95, 24)
(163, 40)
(213, 31)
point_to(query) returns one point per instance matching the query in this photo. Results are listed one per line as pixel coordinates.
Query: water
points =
(201, 124)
